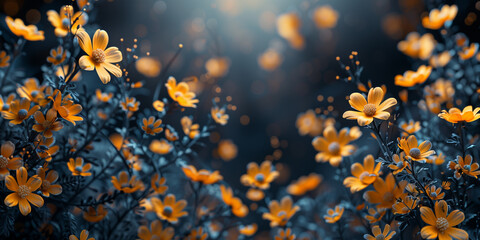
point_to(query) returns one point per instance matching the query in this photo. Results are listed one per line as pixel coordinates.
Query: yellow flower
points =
(248, 230)
(333, 215)
(77, 168)
(148, 66)
(378, 234)
(57, 56)
(454, 115)
(412, 78)
(130, 105)
(66, 21)
(405, 205)
(169, 209)
(374, 108)
(468, 52)
(227, 150)
(255, 194)
(437, 160)
(375, 215)
(181, 93)
(440, 60)
(161, 146)
(285, 235)
(325, 17)
(122, 183)
(97, 57)
(217, 67)
(288, 27)
(19, 111)
(438, 17)
(203, 175)
(386, 192)
(152, 126)
(280, 213)
(83, 236)
(190, 129)
(363, 175)
(464, 166)
(32, 91)
(95, 215)
(4, 59)
(48, 187)
(435, 193)
(103, 97)
(30, 32)
(66, 108)
(47, 124)
(156, 231)
(410, 127)
(260, 177)
(197, 234)
(417, 46)
(441, 225)
(158, 184)
(23, 188)
(159, 105)
(413, 151)
(219, 115)
(333, 147)
(270, 60)
(304, 184)
(309, 123)
(7, 160)
(238, 208)
(399, 163)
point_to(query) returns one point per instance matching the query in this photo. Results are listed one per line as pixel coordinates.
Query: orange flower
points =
(181, 93)
(169, 210)
(454, 115)
(219, 116)
(248, 230)
(413, 151)
(7, 160)
(97, 57)
(66, 108)
(122, 183)
(77, 168)
(325, 17)
(83, 236)
(152, 126)
(46, 148)
(288, 27)
(19, 111)
(57, 56)
(435, 193)
(270, 60)
(333, 215)
(158, 105)
(410, 127)
(158, 184)
(399, 163)
(48, 187)
(386, 192)
(285, 235)
(375, 215)
(103, 97)
(464, 166)
(217, 67)
(171, 134)
(411, 78)
(437, 160)
(441, 225)
(227, 150)
(64, 73)
(255, 194)
(203, 175)
(446, 185)
(259, 177)
(440, 60)
(374, 108)
(304, 184)
(148, 66)
(405, 205)
(66, 21)
(238, 209)
(437, 18)
(23, 188)
(197, 234)
(130, 104)
(280, 213)
(4, 59)
(32, 91)
(333, 147)
(161, 146)
(95, 215)
(47, 124)
(417, 46)
(364, 175)
(190, 129)
(309, 123)
(378, 234)
(29, 32)
(156, 231)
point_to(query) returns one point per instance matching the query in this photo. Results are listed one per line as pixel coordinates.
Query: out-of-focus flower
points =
(410, 127)
(441, 225)
(375, 215)
(197, 234)
(23, 189)
(309, 123)
(468, 52)
(412, 78)
(378, 234)
(270, 60)
(227, 150)
(47, 124)
(304, 184)
(83, 236)
(169, 209)
(32, 90)
(152, 126)
(95, 215)
(437, 160)
(57, 56)
(130, 105)
(64, 73)
(46, 148)
(434, 193)
(367, 111)
(260, 177)
(280, 213)
(334, 214)
(438, 17)
(386, 192)
(203, 175)
(255, 194)
(440, 60)
(158, 105)
(158, 184)
(48, 187)
(4, 59)
(238, 208)
(248, 230)
(446, 185)
(363, 175)
(442, 91)
(181, 93)
(413, 151)
(417, 46)
(67, 21)
(454, 115)
(19, 111)
(190, 129)
(333, 147)
(99, 57)
(286, 234)
(288, 27)
(103, 97)
(405, 205)
(148, 66)
(325, 17)
(161, 146)
(464, 166)
(30, 32)
(219, 115)
(156, 231)
(126, 185)
(217, 67)
(171, 134)
(7, 160)
(77, 168)
(399, 163)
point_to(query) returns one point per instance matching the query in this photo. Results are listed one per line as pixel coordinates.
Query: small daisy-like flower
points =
(48, 182)
(158, 184)
(66, 108)
(99, 57)
(19, 111)
(57, 56)
(152, 125)
(405, 205)
(280, 213)
(126, 185)
(4, 59)
(238, 208)
(304, 184)
(83, 236)
(169, 209)
(190, 129)
(464, 166)
(410, 127)
(399, 163)
(47, 124)
(435, 193)
(77, 168)
(260, 177)
(368, 110)
(67, 21)
(161, 146)
(203, 175)
(181, 93)
(413, 151)
(197, 234)
(375, 215)
(311, 124)
(286, 234)
(378, 234)
(103, 97)
(219, 115)
(363, 175)
(130, 104)
(333, 147)
(7, 160)
(23, 188)
(412, 78)
(441, 224)
(156, 231)
(95, 215)
(417, 46)
(386, 192)
(438, 17)
(454, 115)
(333, 215)
(32, 90)
(30, 32)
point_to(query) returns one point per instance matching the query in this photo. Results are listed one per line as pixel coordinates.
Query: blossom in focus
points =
(181, 93)
(19, 111)
(23, 188)
(454, 115)
(260, 177)
(7, 160)
(441, 224)
(367, 111)
(169, 209)
(413, 151)
(464, 166)
(363, 175)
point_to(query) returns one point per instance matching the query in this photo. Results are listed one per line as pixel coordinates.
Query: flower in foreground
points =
(7, 160)
(454, 115)
(464, 166)
(416, 152)
(368, 110)
(378, 234)
(363, 175)
(442, 225)
(386, 192)
(23, 188)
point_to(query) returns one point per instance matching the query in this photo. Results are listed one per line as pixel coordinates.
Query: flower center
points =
(23, 191)
(433, 194)
(79, 169)
(380, 237)
(66, 22)
(442, 224)
(5, 107)
(334, 148)
(467, 167)
(415, 152)
(98, 55)
(45, 184)
(400, 164)
(34, 93)
(167, 211)
(3, 162)
(369, 110)
(22, 114)
(260, 177)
